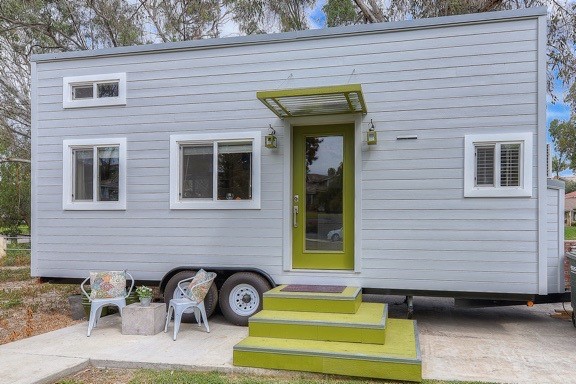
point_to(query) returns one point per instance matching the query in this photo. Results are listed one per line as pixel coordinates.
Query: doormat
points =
(314, 288)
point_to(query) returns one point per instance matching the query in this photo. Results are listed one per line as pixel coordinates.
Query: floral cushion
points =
(198, 292)
(106, 285)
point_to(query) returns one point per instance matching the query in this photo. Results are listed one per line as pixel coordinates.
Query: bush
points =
(570, 186)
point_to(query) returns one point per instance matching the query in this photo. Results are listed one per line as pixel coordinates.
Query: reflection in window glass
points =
(83, 174)
(197, 165)
(108, 173)
(324, 193)
(234, 171)
(82, 92)
(107, 89)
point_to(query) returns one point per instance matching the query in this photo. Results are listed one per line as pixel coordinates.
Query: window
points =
(94, 174)
(94, 90)
(498, 165)
(218, 171)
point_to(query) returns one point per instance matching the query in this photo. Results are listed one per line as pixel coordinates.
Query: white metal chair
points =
(105, 292)
(193, 297)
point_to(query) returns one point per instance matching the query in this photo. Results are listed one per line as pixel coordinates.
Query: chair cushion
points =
(198, 293)
(107, 285)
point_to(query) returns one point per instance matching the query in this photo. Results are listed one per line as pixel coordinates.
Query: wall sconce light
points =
(270, 141)
(371, 135)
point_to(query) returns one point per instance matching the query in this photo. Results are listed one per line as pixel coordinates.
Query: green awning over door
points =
(330, 100)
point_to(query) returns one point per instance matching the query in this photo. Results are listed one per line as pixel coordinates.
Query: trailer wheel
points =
(242, 296)
(172, 292)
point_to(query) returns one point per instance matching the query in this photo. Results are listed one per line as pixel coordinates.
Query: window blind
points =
(510, 165)
(485, 165)
(225, 148)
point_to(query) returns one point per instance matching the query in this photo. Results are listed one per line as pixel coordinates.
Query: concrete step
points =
(346, 302)
(398, 359)
(367, 325)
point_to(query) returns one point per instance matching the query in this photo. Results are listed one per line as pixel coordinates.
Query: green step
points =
(398, 359)
(367, 325)
(346, 302)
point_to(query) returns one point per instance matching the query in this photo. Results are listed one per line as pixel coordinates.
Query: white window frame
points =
(68, 82)
(176, 141)
(526, 157)
(68, 202)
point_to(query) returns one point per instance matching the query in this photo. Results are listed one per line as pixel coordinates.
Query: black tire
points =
(210, 301)
(242, 296)
(335, 237)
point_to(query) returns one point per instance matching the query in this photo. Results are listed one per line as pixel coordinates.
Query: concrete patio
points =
(507, 344)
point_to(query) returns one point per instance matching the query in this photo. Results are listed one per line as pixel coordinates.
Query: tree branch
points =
(366, 11)
(14, 160)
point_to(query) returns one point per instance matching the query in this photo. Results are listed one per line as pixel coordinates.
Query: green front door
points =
(323, 197)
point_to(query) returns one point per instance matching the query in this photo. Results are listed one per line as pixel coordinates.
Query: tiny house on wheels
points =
(405, 157)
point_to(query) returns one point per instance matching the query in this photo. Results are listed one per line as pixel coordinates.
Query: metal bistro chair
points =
(193, 297)
(106, 288)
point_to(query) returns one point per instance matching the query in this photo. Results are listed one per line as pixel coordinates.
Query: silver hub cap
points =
(244, 300)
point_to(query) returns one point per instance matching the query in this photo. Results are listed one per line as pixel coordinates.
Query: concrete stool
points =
(138, 320)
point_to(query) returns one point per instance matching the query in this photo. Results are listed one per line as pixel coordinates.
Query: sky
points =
(316, 16)
(559, 110)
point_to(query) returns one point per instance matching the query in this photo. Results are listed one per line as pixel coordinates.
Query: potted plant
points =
(145, 295)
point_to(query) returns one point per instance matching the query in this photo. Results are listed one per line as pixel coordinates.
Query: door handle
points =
(295, 216)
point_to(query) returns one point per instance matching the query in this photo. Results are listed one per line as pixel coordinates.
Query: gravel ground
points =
(29, 307)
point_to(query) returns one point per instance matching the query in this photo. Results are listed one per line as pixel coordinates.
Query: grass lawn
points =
(147, 376)
(569, 233)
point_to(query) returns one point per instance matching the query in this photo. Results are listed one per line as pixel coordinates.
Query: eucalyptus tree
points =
(178, 20)
(563, 134)
(558, 166)
(38, 26)
(263, 16)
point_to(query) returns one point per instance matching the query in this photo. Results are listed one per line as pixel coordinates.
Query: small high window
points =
(220, 171)
(94, 174)
(498, 165)
(507, 169)
(94, 90)
(82, 92)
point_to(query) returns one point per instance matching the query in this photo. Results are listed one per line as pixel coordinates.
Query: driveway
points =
(512, 344)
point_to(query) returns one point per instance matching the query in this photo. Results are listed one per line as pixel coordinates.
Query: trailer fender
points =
(258, 282)
(222, 274)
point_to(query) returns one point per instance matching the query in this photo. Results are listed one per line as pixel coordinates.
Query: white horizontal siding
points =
(418, 231)
(416, 224)
(465, 95)
(404, 41)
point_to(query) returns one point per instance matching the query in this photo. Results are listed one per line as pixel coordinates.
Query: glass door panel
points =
(323, 197)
